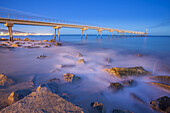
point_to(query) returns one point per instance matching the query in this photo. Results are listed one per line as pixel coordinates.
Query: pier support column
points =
(56, 27)
(83, 29)
(109, 35)
(99, 30)
(9, 25)
(112, 34)
(97, 33)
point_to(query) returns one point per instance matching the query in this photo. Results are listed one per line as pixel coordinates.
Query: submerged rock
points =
(43, 100)
(136, 98)
(161, 104)
(41, 56)
(54, 80)
(45, 41)
(27, 39)
(52, 40)
(125, 72)
(79, 55)
(128, 83)
(121, 111)
(14, 45)
(5, 81)
(161, 85)
(17, 95)
(163, 79)
(58, 44)
(81, 61)
(7, 43)
(116, 86)
(70, 77)
(97, 105)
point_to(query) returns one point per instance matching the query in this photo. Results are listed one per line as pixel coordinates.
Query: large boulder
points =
(6, 43)
(52, 40)
(125, 72)
(161, 104)
(3, 39)
(42, 101)
(14, 45)
(121, 111)
(162, 79)
(17, 95)
(70, 77)
(5, 81)
(116, 86)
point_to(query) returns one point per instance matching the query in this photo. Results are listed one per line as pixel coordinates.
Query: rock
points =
(52, 40)
(79, 55)
(136, 98)
(54, 80)
(70, 77)
(58, 44)
(125, 72)
(18, 39)
(51, 86)
(45, 41)
(27, 39)
(41, 56)
(42, 101)
(3, 39)
(64, 66)
(14, 45)
(5, 81)
(121, 111)
(97, 105)
(19, 43)
(68, 96)
(161, 104)
(139, 55)
(128, 83)
(7, 43)
(163, 79)
(116, 86)
(81, 61)
(17, 95)
(161, 85)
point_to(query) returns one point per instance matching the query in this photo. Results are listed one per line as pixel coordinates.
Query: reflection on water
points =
(22, 64)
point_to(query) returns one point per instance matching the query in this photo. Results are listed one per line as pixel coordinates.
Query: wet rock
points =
(19, 43)
(52, 40)
(45, 41)
(70, 77)
(116, 86)
(54, 80)
(68, 96)
(161, 104)
(134, 96)
(58, 44)
(79, 55)
(41, 56)
(121, 111)
(97, 105)
(161, 85)
(162, 79)
(81, 61)
(17, 95)
(5, 81)
(51, 86)
(139, 55)
(129, 83)
(65, 66)
(125, 72)
(18, 39)
(27, 39)
(3, 39)
(7, 43)
(14, 45)
(42, 101)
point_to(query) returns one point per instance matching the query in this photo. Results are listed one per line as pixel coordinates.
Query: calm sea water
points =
(151, 45)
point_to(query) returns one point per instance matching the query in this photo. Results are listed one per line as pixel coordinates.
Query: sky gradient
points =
(134, 15)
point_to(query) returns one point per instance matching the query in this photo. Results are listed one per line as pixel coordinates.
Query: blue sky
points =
(122, 14)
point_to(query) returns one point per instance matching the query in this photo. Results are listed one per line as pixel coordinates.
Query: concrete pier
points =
(56, 27)
(9, 25)
(83, 29)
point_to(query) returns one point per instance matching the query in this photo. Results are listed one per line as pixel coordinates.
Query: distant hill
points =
(14, 31)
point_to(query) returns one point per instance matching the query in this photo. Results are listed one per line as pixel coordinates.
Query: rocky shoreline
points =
(49, 97)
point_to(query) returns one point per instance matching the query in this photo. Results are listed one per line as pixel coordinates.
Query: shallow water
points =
(21, 64)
